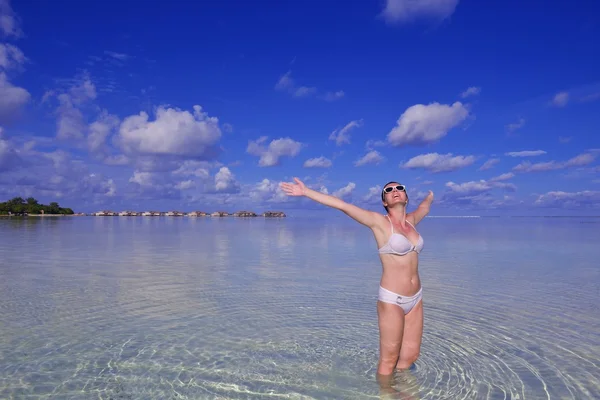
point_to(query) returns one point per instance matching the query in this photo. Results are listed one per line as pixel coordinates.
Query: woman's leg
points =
(391, 327)
(411, 339)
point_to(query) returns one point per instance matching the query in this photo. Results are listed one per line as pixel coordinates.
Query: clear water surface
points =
(231, 308)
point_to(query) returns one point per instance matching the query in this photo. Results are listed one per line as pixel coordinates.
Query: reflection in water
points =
(238, 308)
(285, 238)
(221, 247)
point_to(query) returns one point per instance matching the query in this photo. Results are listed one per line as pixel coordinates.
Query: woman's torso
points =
(399, 249)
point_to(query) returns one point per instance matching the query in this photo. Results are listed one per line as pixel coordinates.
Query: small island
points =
(17, 206)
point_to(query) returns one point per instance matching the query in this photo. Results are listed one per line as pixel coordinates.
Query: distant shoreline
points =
(279, 216)
(219, 214)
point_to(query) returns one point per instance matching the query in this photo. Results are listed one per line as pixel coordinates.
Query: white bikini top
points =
(399, 244)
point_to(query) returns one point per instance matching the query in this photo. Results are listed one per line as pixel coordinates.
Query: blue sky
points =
(494, 106)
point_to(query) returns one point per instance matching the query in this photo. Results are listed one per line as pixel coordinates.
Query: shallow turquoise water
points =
(178, 308)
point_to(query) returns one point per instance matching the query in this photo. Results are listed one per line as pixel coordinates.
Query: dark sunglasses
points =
(401, 188)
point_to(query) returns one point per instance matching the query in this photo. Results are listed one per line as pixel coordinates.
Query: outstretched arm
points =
(423, 208)
(365, 217)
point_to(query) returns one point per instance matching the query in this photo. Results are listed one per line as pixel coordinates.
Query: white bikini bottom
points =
(405, 302)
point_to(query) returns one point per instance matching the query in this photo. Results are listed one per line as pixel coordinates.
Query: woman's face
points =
(394, 193)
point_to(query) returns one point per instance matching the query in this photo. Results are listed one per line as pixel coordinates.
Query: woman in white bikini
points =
(400, 306)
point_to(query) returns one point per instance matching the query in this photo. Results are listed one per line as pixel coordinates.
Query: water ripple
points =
(287, 313)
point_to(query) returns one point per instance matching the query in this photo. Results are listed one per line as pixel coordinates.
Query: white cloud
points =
(373, 195)
(12, 100)
(476, 193)
(111, 188)
(191, 175)
(581, 160)
(154, 185)
(99, 130)
(560, 99)
(577, 161)
(11, 57)
(70, 122)
(472, 187)
(503, 177)
(9, 158)
(409, 10)
(119, 159)
(304, 91)
(559, 199)
(371, 144)
(472, 91)
(345, 192)
(320, 162)
(117, 56)
(198, 169)
(489, 164)
(421, 124)
(512, 127)
(98, 184)
(270, 155)
(173, 132)
(333, 96)
(287, 84)
(185, 185)
(341, 136)
(435, 162)
(527, 166)
(372, 157)
(150, 163)
(267, 191)
(142, 178)
(9, 23)
(225, 181)
(56, 174)
(227, 128)
(525, 153)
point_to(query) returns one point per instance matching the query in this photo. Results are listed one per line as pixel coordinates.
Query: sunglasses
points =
(401, 188)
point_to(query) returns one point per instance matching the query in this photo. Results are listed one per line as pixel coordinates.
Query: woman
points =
(400, 306)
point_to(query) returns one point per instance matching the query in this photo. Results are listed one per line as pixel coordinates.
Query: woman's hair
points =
(383, 194)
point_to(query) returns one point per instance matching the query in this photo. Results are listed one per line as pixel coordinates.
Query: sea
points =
(285, 308)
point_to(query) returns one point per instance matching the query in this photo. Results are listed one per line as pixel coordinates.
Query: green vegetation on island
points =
(18, 206)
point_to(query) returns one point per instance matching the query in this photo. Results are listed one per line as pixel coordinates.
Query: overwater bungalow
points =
(244, 214)
(197, 214)
(128, 213)
(278, 214)
(152, 213)
(175, 214)
(105, 213)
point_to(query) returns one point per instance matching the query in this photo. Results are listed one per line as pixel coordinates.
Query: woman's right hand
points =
(294, 189)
